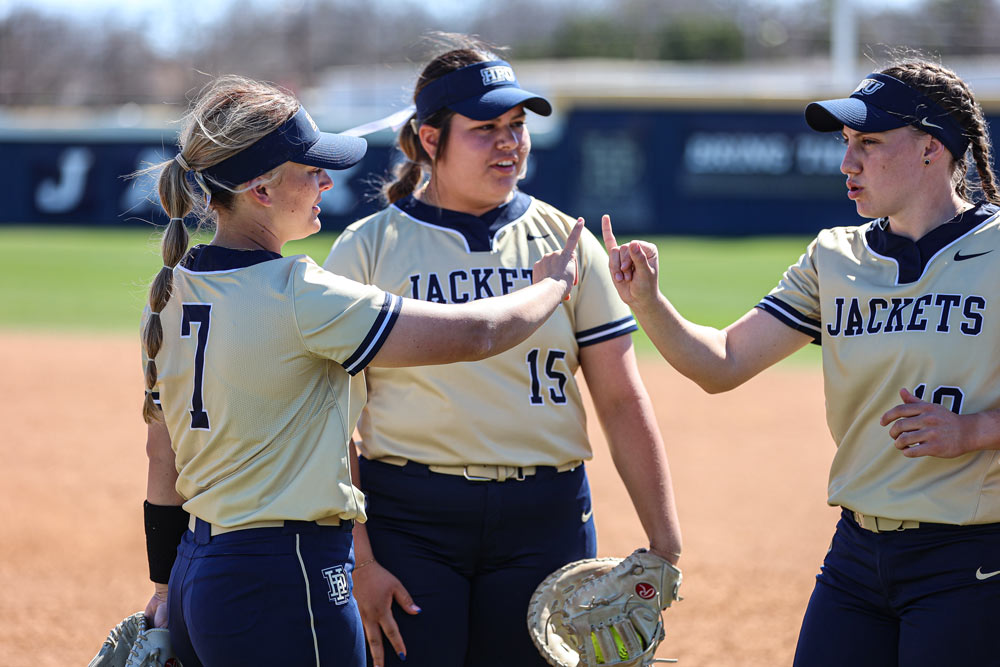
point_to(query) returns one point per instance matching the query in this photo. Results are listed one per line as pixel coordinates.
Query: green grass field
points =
(95, 279)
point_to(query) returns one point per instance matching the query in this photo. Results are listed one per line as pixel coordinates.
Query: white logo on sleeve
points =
(336, 578)
(497, 74)
(982, 576)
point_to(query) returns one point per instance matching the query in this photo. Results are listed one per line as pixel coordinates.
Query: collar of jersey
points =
(912, 256)
(478, 230)
(203, 258)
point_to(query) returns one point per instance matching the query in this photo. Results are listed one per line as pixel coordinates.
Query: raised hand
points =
(557, 264)
(634, 268)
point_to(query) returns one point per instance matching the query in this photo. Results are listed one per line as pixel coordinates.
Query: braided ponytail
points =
(177, 202)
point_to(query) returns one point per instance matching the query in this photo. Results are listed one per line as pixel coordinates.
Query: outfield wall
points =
(702, 171)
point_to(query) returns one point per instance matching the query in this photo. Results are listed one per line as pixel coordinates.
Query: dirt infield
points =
(749, 469)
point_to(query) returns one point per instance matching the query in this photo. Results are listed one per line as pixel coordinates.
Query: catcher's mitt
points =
(132, 644)
(603, 611)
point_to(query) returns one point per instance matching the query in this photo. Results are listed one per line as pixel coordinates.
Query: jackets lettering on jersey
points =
(463, 285)
(928, 312)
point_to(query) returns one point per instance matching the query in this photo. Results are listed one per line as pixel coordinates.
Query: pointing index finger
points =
(574, 236)
(609, 236)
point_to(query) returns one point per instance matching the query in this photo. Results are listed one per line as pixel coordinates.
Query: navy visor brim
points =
(334, 151)
(833, 115)
(497, 102)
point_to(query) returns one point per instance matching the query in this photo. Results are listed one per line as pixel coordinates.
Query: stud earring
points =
(926, 162)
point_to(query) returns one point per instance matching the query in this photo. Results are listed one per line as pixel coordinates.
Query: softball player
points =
(250, 362)
(901, 307)
(474, 473)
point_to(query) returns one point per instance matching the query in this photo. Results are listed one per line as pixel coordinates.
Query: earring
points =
(926, 162)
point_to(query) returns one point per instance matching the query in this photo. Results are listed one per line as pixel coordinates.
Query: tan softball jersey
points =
(519, 408)
(890, 313)
(258, 381)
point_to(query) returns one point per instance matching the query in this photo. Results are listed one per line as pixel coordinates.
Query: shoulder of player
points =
(838, 237)
(540, 213)
(372, 223)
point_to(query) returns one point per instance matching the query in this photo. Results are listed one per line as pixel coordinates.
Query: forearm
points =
(629, 423)
(362, 547)
(507, 320)
(433, 333)
(161, 478)
(697, 352)
(639, 456)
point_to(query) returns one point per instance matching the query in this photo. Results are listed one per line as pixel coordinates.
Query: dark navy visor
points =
(882, 102)
(481, 91)
(296, 140)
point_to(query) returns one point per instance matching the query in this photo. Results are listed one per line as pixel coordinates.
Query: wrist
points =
(646, 304)
(984, 431)
(671, 555)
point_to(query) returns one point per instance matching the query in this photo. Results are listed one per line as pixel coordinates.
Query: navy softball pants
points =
(912, 598)
(471, 553)
(265, 596)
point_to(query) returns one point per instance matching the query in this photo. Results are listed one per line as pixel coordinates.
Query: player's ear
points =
(934, 150)
(260, 193)
(429, 137)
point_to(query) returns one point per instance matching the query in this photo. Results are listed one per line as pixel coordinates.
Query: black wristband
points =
(165, 525)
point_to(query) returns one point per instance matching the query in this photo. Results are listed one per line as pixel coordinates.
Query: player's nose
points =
(850, 163)
(508, 138)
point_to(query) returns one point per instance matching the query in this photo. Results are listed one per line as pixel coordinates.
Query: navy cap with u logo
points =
(481, 91)
(298, 139)
(882, 102)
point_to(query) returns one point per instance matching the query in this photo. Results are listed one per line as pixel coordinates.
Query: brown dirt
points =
(749, 470)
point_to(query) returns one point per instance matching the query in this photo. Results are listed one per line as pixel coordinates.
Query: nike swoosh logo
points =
(542, 236)
(982, 576)
(924, 121)
(585, 517)
(959, 257)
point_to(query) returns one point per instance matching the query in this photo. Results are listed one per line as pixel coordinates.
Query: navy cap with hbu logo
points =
(882, 102)
(481, 91)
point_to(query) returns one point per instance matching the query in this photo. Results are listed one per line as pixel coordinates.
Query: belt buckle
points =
(474, 478)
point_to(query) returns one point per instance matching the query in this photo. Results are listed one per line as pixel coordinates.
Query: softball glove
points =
(132, 644)
(603, 611)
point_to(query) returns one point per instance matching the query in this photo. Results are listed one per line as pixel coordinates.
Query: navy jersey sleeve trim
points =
(376, 335)
(791, 317)
(625, 325)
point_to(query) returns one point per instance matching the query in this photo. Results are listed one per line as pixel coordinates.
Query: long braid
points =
(948, 90)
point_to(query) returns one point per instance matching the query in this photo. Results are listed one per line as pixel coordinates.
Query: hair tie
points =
(154, 313)
(181, 220)
(180, 160)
